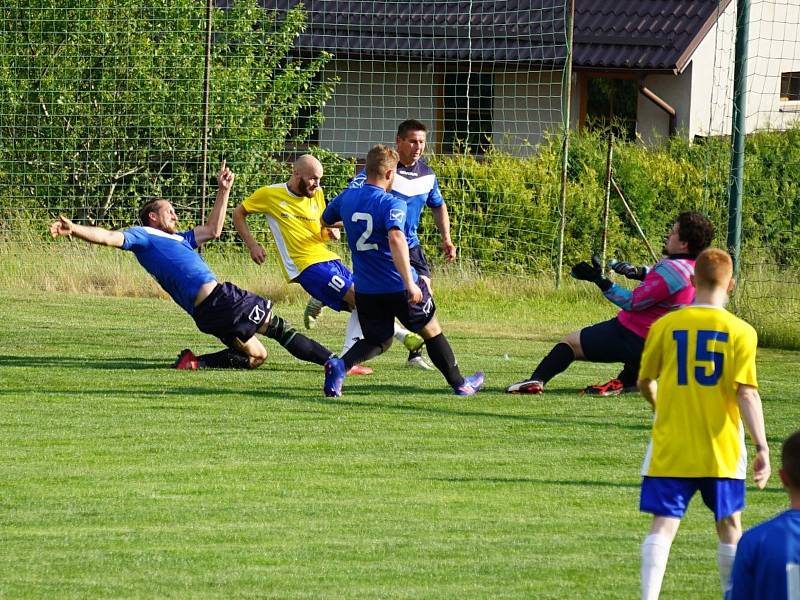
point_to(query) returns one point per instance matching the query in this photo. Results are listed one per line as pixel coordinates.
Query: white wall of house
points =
(652, 121)
(773, 49)
(526, 105)
(712, 85)
(371, 99)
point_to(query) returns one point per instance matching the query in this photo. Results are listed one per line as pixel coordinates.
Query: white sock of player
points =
(352, 332)
(655, 553)
(400, 332)
(725, 555)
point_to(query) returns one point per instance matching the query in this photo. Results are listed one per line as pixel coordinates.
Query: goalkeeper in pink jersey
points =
(665, 287)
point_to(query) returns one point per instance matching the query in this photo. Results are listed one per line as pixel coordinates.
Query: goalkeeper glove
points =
(627, 269)
(591, 272)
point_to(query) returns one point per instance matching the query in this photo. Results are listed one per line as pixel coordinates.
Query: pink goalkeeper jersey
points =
(665, 287)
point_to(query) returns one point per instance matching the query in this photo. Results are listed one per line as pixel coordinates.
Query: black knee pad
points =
(279, 330)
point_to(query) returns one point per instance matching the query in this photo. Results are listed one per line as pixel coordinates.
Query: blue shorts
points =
(328, 282)
(670, 496)
(610, 342)
(377, 312)
(417, 259)
(231, 313)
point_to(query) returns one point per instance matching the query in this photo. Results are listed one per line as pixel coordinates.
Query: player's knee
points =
(573, 340)
(431, 329)
(257, 361)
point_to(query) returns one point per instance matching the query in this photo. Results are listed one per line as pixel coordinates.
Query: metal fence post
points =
(738, 135)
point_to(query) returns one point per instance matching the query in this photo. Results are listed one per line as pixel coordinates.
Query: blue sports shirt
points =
(172, 261)
(767, 561)
(368, 213)
(417, 186)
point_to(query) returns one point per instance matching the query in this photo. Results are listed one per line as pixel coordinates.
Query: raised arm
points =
(212, 228)
(442, 219)
(399, 248)
(753, 416)
(93, 235)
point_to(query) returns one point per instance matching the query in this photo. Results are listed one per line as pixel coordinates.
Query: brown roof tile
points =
(647, 35)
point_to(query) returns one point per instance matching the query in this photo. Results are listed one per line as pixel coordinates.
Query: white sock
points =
(725, 555)
(352, 332)
(400, 332)
(655, 553)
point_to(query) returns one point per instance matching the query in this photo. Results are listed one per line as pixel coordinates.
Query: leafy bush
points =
(505, 209)
(102, 101)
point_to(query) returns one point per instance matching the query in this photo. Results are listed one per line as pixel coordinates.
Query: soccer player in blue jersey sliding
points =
(220, 309)
(386, 285)
(415, 183)
(698, 372)
(767, 561)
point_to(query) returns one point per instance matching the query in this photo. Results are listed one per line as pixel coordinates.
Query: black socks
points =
(442, 357)
(224, 359)
(360, 352)
(557, 361)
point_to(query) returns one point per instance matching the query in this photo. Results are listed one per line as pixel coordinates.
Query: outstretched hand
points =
(225, 177)
(61, 227)
(588, 272)
(627, 269)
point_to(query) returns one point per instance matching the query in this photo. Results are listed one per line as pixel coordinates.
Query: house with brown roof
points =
(480, 72)
(677, 57)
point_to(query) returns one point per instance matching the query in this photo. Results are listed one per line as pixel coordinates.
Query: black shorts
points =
(230, 313)
(610, 342)
(376, 313)
(417, 259)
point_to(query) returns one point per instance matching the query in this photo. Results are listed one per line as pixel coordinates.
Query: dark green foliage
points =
(101, 101)
(505, 209)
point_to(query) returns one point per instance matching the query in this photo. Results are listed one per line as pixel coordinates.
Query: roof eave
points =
(686, 55)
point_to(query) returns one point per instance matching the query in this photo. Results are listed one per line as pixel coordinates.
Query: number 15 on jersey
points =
(703, 352)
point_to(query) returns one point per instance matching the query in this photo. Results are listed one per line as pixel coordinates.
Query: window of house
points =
(611, 103)
(790, 87)
(467, 111)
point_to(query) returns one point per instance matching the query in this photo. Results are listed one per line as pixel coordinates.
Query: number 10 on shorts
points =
(337, 283)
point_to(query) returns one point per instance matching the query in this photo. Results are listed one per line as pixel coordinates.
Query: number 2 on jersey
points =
(361, 243)
(701, 354)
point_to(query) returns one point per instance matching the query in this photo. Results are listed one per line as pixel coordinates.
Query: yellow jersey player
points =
(698, 372)
(293, 210)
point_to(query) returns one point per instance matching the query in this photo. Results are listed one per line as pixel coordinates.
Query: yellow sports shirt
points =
(699, 355)
(294, 222)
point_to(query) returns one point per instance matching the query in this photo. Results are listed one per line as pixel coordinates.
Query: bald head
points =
(306, 176)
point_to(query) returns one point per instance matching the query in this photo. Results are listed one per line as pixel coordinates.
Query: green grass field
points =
(123, 478)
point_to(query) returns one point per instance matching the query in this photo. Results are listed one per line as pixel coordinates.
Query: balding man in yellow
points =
(293, 210)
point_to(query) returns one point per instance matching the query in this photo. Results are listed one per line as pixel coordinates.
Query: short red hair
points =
(714, 268)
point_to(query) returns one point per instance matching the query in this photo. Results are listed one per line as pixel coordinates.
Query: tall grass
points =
(77, 267)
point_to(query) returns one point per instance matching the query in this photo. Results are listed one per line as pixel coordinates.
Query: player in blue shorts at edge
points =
(767, 561)
(416, 184)
(698, 372)
(220, 309)
(386, 285)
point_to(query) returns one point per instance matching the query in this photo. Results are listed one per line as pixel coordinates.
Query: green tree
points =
(101, 100)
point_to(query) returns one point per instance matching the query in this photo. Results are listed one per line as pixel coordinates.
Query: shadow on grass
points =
(535, 481)
(575, 482)
(400, 391)
(357, 397)
(76, 362)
